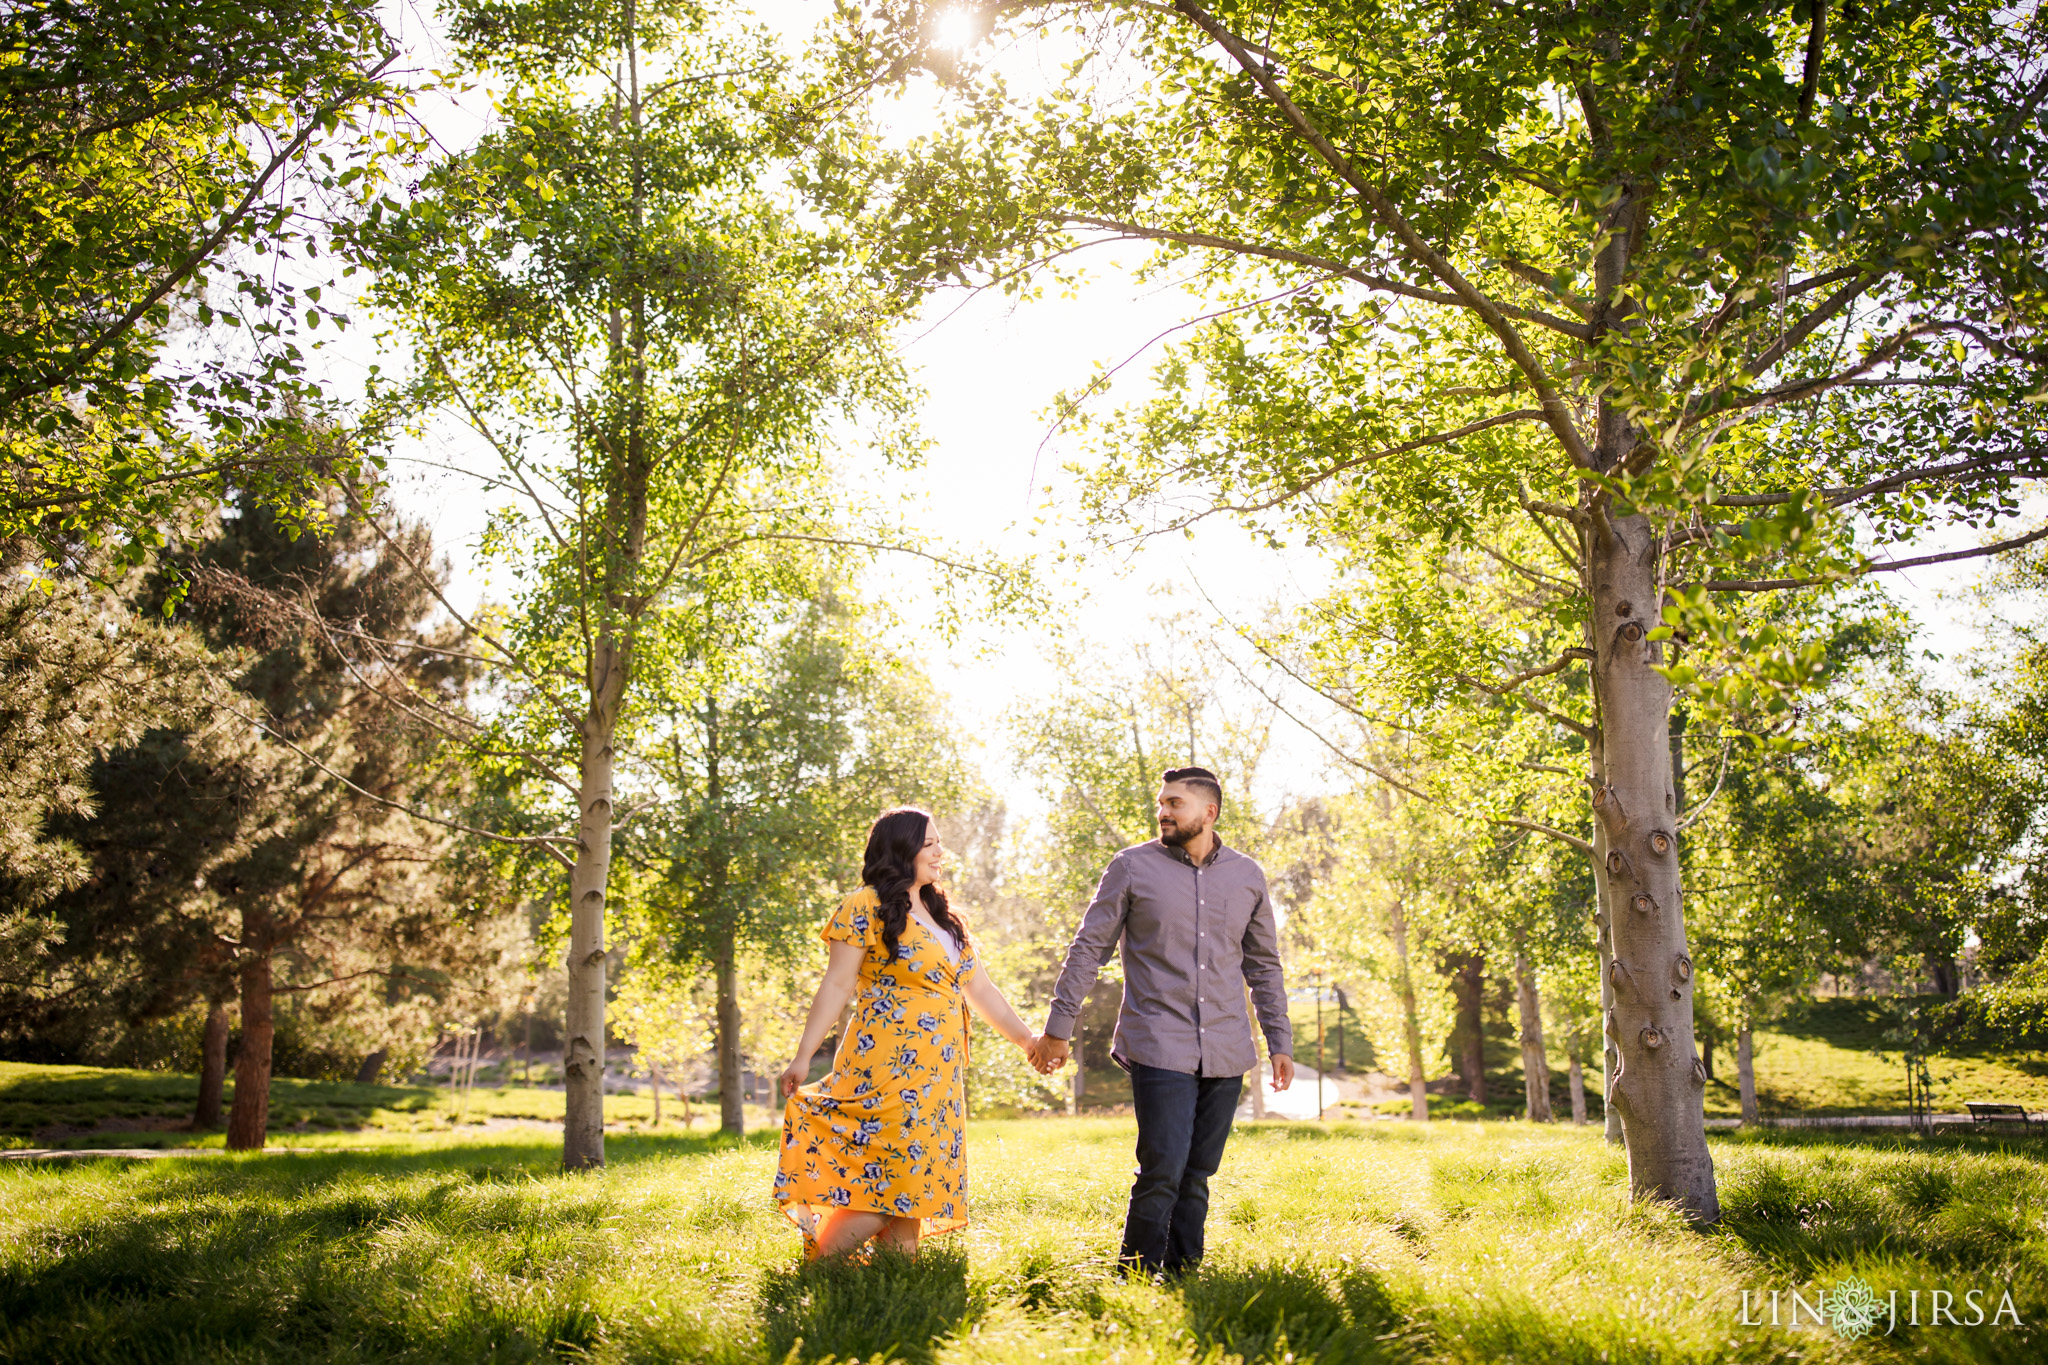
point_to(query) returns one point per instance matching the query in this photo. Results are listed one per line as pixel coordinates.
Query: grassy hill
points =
(1829, 1057)
(83, 1106)
(1823, 1057)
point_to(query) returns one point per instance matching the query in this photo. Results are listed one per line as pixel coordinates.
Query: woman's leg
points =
(902, 1234)
(844, 1229)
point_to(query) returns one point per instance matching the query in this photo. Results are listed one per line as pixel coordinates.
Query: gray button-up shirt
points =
(1192, 937)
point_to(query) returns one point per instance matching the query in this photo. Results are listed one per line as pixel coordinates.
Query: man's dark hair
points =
(1200, 778)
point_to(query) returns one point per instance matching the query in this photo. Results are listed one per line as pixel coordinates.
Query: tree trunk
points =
(1745, 1073)
(213, 1067)
(1342, 1006)
(1707, 1055)
(1577, 1075)
(1468, 987)
(655, 1072)
(732, 1116)
(1660, 1084)
(618, 545)
(1411, 1020)
(1603, 942)
(583, 1053)
(249, 1119)
(1535, 1066)
(372, 1067)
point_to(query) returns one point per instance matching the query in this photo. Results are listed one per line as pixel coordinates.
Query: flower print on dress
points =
(905, 1156)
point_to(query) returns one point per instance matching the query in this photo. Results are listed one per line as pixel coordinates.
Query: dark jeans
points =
(1183, 1122)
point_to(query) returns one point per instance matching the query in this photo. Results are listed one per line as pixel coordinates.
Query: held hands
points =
(1048, 1054)
(793, 1076)
(1283, 1071)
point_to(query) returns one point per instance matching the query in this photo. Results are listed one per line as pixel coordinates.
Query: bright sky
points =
(991, 367)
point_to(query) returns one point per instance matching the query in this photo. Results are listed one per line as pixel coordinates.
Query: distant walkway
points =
(1865, 1121)
(149, 1153)
(63, 1153)
(1298, 1101)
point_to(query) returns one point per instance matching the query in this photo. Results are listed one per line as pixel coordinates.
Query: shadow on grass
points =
(2001, 1141)
(249, 1260)
(1272, 1314)
(1904, 1211)
(894, 1307)
(338, 1256)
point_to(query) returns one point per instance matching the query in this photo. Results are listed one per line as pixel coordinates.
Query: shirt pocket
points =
(1231, 914)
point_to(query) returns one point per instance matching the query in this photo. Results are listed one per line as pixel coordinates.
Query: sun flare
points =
(956, 30)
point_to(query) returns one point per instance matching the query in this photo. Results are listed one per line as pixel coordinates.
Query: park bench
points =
(1983, 1111)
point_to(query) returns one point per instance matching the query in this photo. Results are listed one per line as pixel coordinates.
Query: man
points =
(1195, 925)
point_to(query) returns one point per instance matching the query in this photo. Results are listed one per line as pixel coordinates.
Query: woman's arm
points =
(842, 975)
(988, 1002)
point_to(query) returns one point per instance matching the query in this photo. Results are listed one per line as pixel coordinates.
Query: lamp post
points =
(1319, 1043)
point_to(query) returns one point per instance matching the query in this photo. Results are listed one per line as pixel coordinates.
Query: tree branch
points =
(1822, 311)
(1890, 566)
(1816, 48)
(1297, 489)
(204, 251)
(512, 661)
(1323, 263)
(1584, 846)
(1507, 689)
(545, 842)
(1840, 496)
(1390, 217)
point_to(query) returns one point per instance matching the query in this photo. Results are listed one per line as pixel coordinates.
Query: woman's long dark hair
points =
(894, 841)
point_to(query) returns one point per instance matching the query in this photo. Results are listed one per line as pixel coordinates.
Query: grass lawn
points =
(1344, 1244)
(83, 1106)
(1822, 1058)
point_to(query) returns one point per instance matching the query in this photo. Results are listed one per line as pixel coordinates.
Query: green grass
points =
(82, 1106)
(1823, 1058)
(1344, 1245)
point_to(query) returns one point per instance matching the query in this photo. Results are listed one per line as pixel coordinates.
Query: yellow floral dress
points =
(884, 1132)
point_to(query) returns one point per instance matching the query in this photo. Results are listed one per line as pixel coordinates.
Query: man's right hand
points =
(1050, 1054)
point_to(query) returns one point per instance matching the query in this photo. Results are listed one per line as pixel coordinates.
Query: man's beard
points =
(1181, 835)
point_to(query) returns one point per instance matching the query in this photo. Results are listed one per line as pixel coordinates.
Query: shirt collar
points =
(1180, 851)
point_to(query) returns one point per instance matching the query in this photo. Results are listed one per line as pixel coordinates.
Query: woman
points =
(877, 1148)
